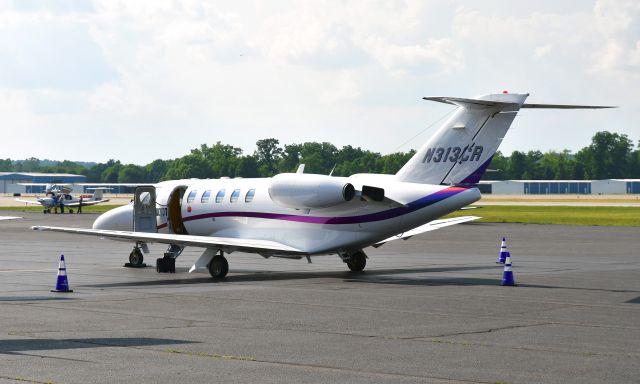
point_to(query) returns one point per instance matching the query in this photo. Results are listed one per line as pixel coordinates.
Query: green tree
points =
(156, 170)
(498, 168)
(111, 172)
(189, 166)
(31, 164)
(517, 165)
(247, 166)
(222, 159)
(268, 154)
(6, 165)
(608, 156)
(131, 173)
(290, 158)
(318, 157)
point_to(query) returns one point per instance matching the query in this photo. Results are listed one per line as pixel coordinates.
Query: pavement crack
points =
(479, 332)
(308, 365)
(25, 380)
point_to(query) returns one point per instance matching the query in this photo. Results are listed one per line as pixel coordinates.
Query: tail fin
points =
(461, 150)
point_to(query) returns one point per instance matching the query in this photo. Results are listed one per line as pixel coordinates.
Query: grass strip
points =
(100, 208)
(565, 215)
(530, 214)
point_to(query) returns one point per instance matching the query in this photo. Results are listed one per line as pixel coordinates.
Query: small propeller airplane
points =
(298, 215)
(55, 194)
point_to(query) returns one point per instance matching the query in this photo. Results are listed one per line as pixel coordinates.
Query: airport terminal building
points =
(10, 181)
(561, 187)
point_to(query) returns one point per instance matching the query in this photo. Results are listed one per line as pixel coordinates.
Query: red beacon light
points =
(505, 91)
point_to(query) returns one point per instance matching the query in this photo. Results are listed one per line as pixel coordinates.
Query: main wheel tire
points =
(160, 267)
(135, 257)
(357, 262)
(218, 267)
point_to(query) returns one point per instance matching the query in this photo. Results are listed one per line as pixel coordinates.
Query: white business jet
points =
(298, 215)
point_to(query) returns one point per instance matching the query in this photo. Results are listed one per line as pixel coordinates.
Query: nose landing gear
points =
(136, 260)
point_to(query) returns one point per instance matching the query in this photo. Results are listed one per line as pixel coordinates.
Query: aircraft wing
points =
(86, 203)
(430, 226)
(9, 217)
(228, 244)
(35, 202)
(109, 185)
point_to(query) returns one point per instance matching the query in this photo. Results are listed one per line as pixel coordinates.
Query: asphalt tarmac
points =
(429, 309)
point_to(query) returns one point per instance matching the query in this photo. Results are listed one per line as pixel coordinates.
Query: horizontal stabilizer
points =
(565, 106)
(475, 103)
(430, 226)
(9, 217)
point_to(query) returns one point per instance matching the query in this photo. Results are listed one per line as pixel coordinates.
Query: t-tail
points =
(462, 148)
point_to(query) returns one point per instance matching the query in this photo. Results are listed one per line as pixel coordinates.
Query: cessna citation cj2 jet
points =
(298, 215)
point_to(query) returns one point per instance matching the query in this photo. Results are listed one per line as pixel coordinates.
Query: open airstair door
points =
(144, 210)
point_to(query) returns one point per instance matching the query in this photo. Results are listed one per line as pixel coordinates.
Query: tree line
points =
(610, 155)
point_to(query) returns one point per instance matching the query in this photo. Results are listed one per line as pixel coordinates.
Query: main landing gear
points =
(356, 260)
(218, 266)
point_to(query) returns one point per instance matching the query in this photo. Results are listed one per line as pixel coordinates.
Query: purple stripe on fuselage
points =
(475, 177)
(377, 216)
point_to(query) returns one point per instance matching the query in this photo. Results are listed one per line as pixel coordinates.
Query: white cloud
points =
(175, 74)
(619, 25)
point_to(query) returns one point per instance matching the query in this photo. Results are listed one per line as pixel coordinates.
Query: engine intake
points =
(306, 191)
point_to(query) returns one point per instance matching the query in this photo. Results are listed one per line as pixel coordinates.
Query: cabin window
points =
(234, 195)
(249, 196)
(192, 196)
(205, 196)
(220, 196)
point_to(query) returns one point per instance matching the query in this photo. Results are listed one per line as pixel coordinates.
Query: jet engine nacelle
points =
(306, 191)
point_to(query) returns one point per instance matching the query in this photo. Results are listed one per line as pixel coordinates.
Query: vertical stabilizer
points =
(461, 150)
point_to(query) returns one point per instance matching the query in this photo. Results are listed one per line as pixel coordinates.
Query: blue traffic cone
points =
(507, 275)
(62, 285)
(502, 256)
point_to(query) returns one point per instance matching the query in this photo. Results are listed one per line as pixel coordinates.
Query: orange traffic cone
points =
(62, 285)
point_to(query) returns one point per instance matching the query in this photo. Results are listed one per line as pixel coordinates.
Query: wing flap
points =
(227, 243)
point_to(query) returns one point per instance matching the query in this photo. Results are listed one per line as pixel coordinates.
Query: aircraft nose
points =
(117, 219)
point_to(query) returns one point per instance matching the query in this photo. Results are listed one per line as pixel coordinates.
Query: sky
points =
(140, 80)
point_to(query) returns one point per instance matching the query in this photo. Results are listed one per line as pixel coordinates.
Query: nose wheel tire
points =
(218, 267)
(357, 262)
